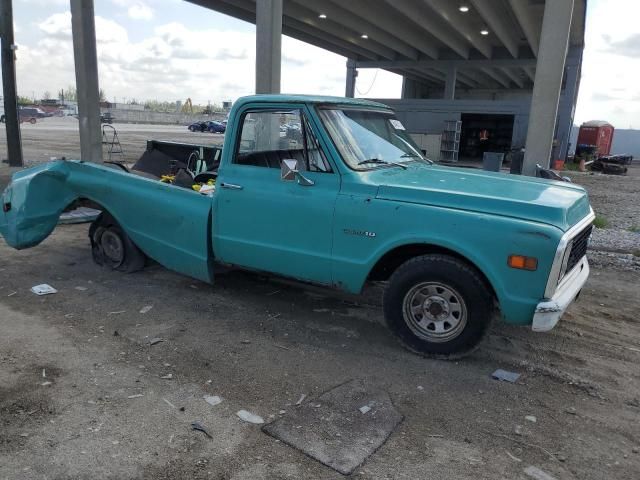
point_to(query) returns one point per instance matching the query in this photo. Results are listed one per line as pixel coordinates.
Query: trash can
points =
(517, 158)
(492, 161)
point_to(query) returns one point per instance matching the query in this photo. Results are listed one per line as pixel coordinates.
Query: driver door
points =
(265, 223)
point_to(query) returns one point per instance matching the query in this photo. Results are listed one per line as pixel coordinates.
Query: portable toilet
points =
(598, 134)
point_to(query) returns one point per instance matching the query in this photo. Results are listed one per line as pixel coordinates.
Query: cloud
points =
(175, 61)
(140, 11)
(628, 47)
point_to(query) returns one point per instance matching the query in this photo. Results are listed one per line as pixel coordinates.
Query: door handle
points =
(231, 186)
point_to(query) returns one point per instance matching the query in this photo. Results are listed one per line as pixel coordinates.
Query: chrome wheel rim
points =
(434, 311)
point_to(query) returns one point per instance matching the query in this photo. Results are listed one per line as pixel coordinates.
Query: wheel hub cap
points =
(434, 311)
(112, 247)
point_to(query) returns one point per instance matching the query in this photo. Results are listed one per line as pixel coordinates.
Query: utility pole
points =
(8, 59)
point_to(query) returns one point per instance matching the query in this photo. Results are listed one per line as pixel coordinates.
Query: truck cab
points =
(333, 191)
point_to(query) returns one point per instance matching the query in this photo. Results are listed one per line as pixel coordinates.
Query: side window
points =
(270, 136)
(317, 162)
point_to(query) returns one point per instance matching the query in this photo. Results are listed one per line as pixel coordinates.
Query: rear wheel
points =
(32, 121)
(111, 246)
(438, 306)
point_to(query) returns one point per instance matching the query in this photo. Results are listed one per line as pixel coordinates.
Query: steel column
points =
(12, 121)
(86, 63)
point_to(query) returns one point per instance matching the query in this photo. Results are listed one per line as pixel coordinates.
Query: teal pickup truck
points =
(333, 191)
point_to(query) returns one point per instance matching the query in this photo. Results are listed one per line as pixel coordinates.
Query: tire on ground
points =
(423, 281)
(123, 255)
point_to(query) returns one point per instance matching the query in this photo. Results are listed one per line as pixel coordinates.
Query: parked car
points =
(106, 117)
(355, 202)
(216, 127)
(198, 127)
(32, 112)
(27, 115)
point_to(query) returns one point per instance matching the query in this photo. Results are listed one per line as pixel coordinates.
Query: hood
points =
(555, 203)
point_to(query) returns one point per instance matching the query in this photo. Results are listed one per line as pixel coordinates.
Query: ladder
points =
(110, 138)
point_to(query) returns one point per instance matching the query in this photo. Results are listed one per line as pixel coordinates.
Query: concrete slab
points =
(333, 428)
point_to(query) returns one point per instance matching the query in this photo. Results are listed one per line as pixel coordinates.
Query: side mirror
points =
(289, 172)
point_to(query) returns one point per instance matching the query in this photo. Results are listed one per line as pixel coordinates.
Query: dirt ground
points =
(82, 393)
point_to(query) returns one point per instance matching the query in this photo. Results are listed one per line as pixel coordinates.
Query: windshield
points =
(369, 139)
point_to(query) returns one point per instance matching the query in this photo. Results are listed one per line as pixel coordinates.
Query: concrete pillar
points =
(567, 105)
(554, 40)
(352, 74)
(450, 84)
(86, 62)
(12, 125)
(268, 45)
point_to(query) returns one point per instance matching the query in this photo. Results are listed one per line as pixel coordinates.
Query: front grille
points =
(578, 247)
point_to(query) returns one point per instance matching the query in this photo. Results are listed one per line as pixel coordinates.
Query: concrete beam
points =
(9, 89)
(416, 12)
(489, 10)
(332, 27)
(268, 45)
(531, 73)
(86, 63)
(496, 76)
(554, 41)
(514, 78)
(357, 24)
(390, 21)
(442, 64)
(461, 23)
(530, 29)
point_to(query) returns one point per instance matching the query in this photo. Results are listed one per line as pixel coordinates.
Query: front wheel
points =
(438, 306)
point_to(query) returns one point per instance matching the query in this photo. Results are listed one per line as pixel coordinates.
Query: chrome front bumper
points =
(549, 311)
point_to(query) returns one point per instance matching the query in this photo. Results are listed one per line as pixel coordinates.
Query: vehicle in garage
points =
(353, 201)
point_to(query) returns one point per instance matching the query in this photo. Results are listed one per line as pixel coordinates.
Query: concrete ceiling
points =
(431, 33)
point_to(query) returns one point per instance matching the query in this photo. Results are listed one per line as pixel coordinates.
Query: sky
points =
(171, 50)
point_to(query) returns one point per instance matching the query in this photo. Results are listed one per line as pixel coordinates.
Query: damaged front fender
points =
(32, 204)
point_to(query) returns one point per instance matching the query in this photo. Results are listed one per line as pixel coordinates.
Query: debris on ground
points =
(364, 409)
(213, 400)
(571, 411)
(155, 340)
(537, 474)
(81, 289)
(531, 418)
(301, 399)
(45, 384)
(198, 425)
(309, 428)
(137, 395)
(146, 308)
(117, 312)
(168, 376)
(505, 376)
(43, 289)
(249, 417)
(168, 403)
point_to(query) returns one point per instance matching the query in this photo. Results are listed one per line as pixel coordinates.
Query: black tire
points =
(438, 292)
(111, 247)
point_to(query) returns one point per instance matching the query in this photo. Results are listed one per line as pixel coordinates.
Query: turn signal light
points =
(522, 263)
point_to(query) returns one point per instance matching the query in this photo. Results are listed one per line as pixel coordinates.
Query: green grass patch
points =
(634, 228)
(636, 253)
(600, 222)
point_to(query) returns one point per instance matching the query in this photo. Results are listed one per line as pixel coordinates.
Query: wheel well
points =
(390, 261)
